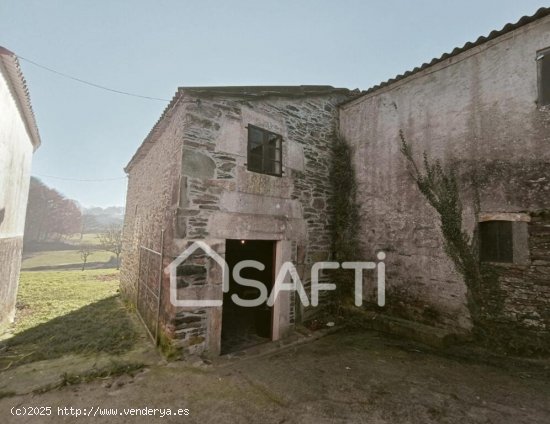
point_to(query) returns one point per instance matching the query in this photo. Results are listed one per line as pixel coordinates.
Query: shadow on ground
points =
(357, 377)
(111, 263)
(101, 327)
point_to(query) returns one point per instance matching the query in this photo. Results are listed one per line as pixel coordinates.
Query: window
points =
(496, 241)
(543, 59)
(264, 151)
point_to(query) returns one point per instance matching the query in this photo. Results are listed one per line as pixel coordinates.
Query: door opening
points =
(244, 327)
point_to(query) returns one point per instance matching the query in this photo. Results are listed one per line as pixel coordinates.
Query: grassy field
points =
(62, 257)
(65, 254)
(43, 296)
(67, 312)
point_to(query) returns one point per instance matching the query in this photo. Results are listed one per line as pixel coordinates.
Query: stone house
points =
(195, 177)
(245, 169)
(19, 138)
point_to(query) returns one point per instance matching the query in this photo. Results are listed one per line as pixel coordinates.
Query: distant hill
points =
(98, 219)
(114, 211)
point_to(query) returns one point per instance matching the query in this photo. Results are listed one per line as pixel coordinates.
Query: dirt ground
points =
(341, 378)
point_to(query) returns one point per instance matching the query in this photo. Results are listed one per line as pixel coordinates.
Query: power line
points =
(80, 179)
(91, 83)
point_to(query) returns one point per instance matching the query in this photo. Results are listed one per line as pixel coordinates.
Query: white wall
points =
(15, 164)
(16, 152)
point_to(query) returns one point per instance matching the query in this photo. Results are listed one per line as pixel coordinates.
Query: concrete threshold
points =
(299, 336)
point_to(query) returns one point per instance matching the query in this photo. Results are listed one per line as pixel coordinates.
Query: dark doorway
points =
(244, 327)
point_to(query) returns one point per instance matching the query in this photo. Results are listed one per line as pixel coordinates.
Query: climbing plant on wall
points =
(344, 219)
(440, 188)
(484, 297)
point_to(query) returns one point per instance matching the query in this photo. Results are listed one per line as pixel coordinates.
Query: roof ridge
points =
(269, 91)
(524, 20)
(17, 84)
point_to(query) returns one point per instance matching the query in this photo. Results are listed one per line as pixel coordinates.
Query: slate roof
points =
(262, 91)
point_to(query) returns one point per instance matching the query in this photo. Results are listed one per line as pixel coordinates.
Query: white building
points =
(19, 138)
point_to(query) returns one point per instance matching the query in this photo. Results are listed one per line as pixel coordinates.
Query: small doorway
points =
(243, 327)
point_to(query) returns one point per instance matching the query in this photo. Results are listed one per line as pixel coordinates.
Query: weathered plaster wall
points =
(10, 264)
(476, 111)
(15, 166)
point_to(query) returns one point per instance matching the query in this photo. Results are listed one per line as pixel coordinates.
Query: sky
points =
(152, 47)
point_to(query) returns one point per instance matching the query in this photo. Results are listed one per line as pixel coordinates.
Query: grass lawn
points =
(62, 257)
(67, 312)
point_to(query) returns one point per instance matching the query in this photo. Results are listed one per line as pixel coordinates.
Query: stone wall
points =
(476, 112)
(220, 199)
(520, 304)
(151, 204)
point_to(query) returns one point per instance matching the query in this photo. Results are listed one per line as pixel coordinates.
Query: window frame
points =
(543, 56)
(499, 242)
(521, 251)
(264, 158)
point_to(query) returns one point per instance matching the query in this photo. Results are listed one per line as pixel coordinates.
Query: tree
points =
(111, 241)
(65, 218)
(85, 251)
(37, 207)
(50, 215)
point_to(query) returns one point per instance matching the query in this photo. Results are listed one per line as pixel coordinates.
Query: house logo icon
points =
(172, 269)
